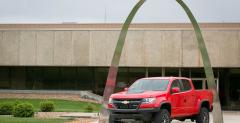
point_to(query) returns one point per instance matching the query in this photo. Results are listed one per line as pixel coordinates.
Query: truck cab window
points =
(186, 85)
(175, 84)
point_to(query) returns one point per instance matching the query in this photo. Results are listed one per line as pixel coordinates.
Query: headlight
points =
(110, 101)
(148, 100)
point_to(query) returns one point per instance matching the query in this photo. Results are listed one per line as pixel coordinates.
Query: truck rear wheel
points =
(162, 116)
(203, 116)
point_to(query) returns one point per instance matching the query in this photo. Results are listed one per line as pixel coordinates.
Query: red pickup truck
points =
(161, 99)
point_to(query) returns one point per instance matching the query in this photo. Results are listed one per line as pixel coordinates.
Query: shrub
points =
(6, 108)
(23, 110)
(47, 106)
(16, 103)
(89, 108)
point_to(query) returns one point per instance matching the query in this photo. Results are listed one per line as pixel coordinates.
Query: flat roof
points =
(117, 26)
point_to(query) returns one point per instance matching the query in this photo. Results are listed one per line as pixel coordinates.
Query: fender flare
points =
(165, 102)
(199, 105)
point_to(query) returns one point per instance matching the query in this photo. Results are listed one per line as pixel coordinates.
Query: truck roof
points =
(170, 77)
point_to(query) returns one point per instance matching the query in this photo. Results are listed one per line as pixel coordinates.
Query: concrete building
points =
(77, 56)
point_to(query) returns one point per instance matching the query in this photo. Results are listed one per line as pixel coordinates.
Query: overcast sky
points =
(116, 11)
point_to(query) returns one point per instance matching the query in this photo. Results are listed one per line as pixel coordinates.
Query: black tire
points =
(203, 116)
(163, 116)
(146, 122)
(182, 120)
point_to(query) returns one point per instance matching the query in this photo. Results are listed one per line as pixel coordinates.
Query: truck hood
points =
(145, 94)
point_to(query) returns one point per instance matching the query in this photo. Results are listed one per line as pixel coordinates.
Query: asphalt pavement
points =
(228, 117)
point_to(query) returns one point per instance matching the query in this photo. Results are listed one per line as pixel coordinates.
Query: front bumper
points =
(137, 114)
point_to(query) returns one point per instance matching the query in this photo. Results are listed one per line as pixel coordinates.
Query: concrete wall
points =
(145, 47)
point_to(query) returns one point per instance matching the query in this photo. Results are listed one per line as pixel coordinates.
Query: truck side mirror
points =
(125, 89)
(175, 90)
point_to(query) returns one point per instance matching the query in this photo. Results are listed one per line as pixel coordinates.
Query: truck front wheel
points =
(162, 116)
(203, 116)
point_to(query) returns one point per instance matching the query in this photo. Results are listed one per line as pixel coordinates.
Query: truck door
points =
(189, 97)
(176, 100)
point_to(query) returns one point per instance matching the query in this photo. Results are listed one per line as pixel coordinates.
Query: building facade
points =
(77, 56)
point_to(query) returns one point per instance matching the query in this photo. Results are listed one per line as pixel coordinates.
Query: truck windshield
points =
(148, 85)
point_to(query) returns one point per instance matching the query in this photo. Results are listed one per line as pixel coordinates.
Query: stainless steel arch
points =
(112, 73)
(217, 112)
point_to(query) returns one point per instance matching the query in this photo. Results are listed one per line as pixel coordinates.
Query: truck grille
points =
(127, 103)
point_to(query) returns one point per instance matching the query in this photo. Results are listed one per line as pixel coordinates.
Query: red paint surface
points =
(183, 104)
(110, 105)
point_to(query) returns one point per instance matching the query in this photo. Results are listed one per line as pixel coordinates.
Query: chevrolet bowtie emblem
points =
(125, 102)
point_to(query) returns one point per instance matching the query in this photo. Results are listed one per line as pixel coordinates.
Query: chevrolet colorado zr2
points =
(161, 99)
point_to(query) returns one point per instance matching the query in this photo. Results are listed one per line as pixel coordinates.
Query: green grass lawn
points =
(10, 119)
(60, 105)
